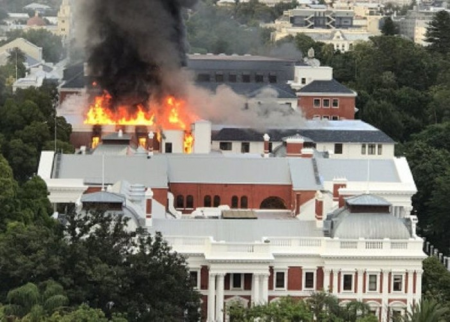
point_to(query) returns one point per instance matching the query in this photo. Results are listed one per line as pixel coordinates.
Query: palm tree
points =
(355, 310)
(29, 302)
(323, 305)
(428, 310)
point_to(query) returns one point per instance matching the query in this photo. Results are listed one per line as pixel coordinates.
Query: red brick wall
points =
(294, 148)
(346, 109)
(160, 195)
(294, 279)
(319, 281)
(204, 278)
(255, 193)
(271, 278)
(248, 281)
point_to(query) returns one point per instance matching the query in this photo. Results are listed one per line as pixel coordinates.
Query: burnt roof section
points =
(324, 86)
(343, 136)
(252, 89)
(73, 77)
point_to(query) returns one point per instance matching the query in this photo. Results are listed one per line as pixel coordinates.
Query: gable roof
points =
(251, 89)
(326, 86)
(318, 136)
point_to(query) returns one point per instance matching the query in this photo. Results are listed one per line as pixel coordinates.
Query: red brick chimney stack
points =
(294, 146)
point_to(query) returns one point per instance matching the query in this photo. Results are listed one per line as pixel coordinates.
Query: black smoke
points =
(134, 48)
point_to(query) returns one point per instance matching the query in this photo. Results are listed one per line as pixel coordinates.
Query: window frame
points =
(338, 148)
(319, 101)
(168, 147)
(197, 285)
(234, 202)
(363, 149)
(379, 149)
(189, 202)
(402, 282)
(327, 105)
(333, 101)
(247, 147)
(313, 280)
(352, 286)
(179, 200)
(227, 144)
(232, 287)
(275, 279)
(205, 199)
(377, 277)
(371, 149)
(303, 80)
(216, 201)
(244, 202)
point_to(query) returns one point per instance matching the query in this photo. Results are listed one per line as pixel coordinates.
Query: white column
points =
(410, 294)
(385, 296)
(255, 289)
(335, 281)
(326, 279)
(211, 297)
(265, 289)
(359, 291)
(220, 297)
(419, 284)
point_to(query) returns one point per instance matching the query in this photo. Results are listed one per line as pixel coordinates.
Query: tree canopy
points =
(438, 33)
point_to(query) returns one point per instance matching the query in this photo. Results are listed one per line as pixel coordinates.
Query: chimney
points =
(201, 131)
(148, 206)
(294, 146)
(339, 183)
(266, 138)
(151, 136)
(319, 208)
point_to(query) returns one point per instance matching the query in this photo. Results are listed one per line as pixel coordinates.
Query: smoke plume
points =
(134, 47)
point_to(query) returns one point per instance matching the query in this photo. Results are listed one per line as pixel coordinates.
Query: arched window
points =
(244, 202)
(190, 202)
(180, 201)
(207, 201)
(216, 201)
(273, 203)
(234, 202)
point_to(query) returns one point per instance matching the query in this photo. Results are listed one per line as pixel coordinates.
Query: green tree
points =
(389, 28)
(427, 311)
(435, 280)
(33, 304)
(438, 33)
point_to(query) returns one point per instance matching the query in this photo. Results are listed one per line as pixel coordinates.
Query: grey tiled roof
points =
(251, 89)
(323, 86)
(103, 197)
(367, 200)
(330, 135)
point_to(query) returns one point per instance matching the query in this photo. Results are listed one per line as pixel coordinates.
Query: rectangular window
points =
(347, 282)
(326, 102)
(335, 103)
(325, 117)
(270, 146)
(280, 282)
(246, 78)
(259, 78)
(225, 146)
(338, 148)
(371, 150)
(194, 278)
(373, 281)
(397, 283)
(363, 149)
(168, 147)
(203, 77)
(219, 77)
(232, 78)
(236, 281)
(303, 81)
(272, 78)
(309, 280)
(316, 102)
(335, 118)
(380, 149)
(245, 147)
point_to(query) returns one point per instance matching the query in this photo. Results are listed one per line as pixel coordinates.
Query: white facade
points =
(305, 74)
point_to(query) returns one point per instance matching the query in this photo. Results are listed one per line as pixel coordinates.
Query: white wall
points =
(353, 151)
(310, 74)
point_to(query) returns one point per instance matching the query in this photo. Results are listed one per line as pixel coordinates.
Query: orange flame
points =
(171, 115)
(188, 143)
